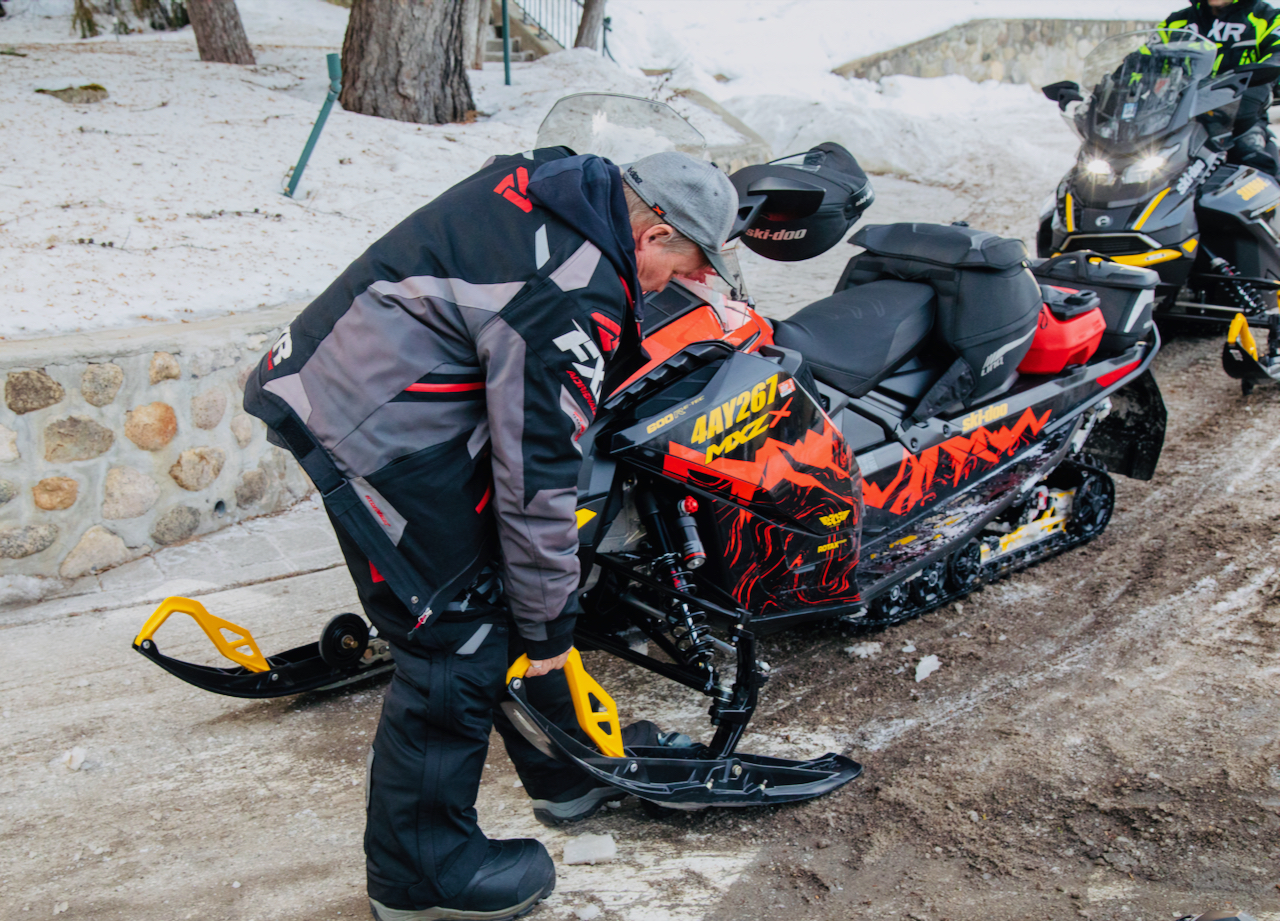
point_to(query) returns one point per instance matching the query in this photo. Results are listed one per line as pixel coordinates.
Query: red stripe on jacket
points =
(444, 388)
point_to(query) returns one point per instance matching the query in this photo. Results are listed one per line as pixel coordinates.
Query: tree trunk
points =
(591, 26)
(82, 19)
(219, 32)
(483, 31)
(407, 60)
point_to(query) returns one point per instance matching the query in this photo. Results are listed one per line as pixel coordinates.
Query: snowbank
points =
(946, 131)
(767, 47)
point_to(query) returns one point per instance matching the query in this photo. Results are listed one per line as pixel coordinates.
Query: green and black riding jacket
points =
(1245, 32)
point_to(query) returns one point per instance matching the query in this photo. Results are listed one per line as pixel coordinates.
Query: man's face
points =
(658, 263)
(1219, 6)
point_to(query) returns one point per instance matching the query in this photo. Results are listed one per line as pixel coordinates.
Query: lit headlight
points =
(1098, 168)
(1144, 170)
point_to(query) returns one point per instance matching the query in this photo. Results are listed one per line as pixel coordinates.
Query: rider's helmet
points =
(807, 202)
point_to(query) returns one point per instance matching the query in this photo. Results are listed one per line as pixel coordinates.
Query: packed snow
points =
(926, 667)
(590, 849)
(163, 202)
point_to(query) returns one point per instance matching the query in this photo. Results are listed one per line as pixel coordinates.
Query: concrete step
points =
(522, 56)
(495, 45)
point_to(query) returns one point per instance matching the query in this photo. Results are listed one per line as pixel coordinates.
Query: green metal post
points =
(335, 87)
(506, 43)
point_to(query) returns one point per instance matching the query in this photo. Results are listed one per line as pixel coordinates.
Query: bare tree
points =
(82, 19)
(482, 30)
(219, 31)
(591, 26)
(407, 60)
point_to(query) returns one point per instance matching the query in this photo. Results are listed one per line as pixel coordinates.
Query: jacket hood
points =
(585, 191)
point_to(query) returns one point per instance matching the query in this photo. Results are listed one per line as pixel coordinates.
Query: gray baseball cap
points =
(692, 196)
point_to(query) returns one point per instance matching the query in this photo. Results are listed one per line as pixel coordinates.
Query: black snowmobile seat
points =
(988, 302)
(854, 338)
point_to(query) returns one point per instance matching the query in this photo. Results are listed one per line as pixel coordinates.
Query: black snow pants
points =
(422, 841)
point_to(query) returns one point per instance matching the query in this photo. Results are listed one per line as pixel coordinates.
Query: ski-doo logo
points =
(996, 358)
(834, 518)
(1188, 178)
(582, 348)
(1103, 221)
(281, 349)
(757, 234)
(983, 417)
(1223, 31)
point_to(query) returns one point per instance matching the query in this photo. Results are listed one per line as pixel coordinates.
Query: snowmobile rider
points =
(436, 393)
(1245, 32)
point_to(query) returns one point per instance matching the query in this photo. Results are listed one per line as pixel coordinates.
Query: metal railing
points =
(560, 19)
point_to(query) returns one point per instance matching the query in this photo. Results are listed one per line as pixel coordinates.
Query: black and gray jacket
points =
(437, 390)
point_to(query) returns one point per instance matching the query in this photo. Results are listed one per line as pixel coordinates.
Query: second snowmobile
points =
(943, 418)
(1155, 186)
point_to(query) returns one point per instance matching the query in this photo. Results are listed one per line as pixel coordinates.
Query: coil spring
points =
(692, 636)
(1248, 300)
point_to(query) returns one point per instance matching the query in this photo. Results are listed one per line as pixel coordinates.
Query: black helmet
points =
(800, 206)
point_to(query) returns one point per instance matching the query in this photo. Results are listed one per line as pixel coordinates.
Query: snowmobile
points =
(941, 420)
(1152, 187)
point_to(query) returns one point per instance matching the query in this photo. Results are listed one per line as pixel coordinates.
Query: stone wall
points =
(1035, 51)
(118, 442)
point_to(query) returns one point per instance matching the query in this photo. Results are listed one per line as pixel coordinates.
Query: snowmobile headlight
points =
(1099, 168)
(1144, 170)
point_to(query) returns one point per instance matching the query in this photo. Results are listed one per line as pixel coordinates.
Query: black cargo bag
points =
(1127, 293)
(988, 301)
(810, 202)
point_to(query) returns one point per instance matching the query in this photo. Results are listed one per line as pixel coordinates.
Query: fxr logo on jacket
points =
(1224, 31)
(582, 348)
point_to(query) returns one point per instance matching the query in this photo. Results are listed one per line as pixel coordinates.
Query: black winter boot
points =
(515, 876)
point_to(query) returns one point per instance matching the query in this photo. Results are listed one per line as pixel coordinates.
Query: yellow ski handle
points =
(599, 720)
(240, 648)
(1240, 331)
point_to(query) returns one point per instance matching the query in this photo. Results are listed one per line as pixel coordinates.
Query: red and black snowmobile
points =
(944, 418)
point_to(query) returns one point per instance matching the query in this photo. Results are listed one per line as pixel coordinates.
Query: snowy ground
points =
(163, 202)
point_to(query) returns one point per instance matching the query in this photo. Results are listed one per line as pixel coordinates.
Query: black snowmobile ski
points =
(1241, 358)
(344, 654)
(690, 777)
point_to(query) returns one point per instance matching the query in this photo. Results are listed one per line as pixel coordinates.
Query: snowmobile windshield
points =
(1135, 82)
(625, 129)
(621, 128)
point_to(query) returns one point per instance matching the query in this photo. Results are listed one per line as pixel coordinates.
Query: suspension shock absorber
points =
(688, 626)
(692, 553)
(1245, 297)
